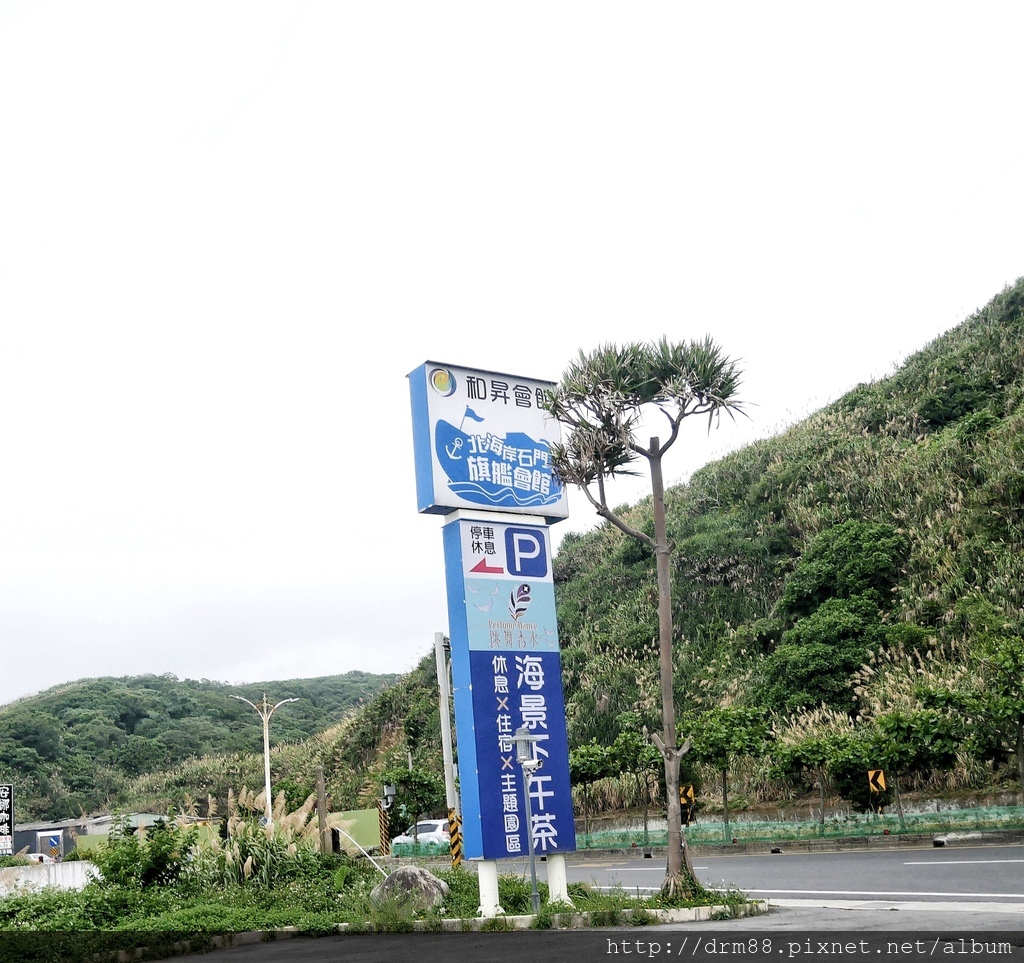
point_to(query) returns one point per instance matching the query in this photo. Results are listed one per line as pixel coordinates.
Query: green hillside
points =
(402, 719)
(847, 595)
(863, 566)
(77, 747)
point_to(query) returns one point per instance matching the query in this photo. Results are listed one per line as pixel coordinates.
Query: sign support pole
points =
(487, 877)
(558, 884)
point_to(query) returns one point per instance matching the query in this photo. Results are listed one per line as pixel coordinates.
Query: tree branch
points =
(605, 512)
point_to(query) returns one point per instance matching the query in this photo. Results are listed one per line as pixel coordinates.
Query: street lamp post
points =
(524, 741)
(266, 710)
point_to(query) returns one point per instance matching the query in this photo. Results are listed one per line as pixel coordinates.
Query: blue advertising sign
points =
(507, 673)
(483, 440)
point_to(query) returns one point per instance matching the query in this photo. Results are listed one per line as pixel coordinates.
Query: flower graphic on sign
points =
(519, 601)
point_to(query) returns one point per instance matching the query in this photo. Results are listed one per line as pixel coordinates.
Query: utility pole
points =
(447, 752)
(321, 811)
(266, 710)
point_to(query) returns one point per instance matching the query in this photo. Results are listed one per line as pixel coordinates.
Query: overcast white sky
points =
(229, 230)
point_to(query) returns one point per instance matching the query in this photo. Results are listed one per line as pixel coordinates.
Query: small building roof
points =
(92, 825)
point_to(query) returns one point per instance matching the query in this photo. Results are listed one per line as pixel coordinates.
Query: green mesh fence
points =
(420, 849)
(709, 832)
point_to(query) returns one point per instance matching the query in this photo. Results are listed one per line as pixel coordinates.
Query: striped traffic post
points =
(455, 834)
(385, 834)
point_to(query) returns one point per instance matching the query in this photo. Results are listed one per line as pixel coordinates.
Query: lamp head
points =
(524, 741)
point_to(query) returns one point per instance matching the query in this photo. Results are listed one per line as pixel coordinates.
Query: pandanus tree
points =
(602, 401)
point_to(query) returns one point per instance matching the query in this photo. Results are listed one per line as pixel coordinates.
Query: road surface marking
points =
(638, 869)
(960, 862)
(886, 892)
(936, 907)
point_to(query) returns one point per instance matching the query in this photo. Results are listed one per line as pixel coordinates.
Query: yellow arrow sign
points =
(876, 780)
(686, 795)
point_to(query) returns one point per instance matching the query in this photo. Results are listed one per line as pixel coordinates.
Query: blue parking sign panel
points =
(526, 553)
(506, 669)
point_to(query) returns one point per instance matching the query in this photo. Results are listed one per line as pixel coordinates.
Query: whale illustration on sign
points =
(496, 471)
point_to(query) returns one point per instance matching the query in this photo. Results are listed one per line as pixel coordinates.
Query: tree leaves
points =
(601, 396)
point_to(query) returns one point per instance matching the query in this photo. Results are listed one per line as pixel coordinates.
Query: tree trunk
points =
(644, 792)
(821, 791)
(1020, 753)
(679, 877)
(725, 804)
(899, 801)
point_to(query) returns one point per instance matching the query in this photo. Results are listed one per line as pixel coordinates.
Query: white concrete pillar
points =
(487, 878)
(558, 886)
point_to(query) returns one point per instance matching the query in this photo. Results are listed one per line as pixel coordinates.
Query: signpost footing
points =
(558, 886)
(487, 877)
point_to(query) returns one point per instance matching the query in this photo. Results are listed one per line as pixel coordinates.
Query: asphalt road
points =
(916, 902)
(989, 874)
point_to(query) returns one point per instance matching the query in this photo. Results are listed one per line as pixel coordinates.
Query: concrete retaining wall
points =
(30, 879)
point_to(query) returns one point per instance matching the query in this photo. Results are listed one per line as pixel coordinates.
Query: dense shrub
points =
(145, 857)
(813, 663)
(855, 558)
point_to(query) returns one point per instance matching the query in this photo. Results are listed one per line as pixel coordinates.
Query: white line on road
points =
(957, 907)
(886, 892)
(835, 900)
(960, 862)
(643, 869)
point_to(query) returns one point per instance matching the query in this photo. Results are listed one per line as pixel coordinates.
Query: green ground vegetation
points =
(175, 884)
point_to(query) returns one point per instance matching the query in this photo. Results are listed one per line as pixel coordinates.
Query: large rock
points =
(411, 884)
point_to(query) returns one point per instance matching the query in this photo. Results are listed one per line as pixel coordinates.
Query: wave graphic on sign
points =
(473, 480)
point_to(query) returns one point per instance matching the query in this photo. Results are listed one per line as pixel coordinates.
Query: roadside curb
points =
(559, 921)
